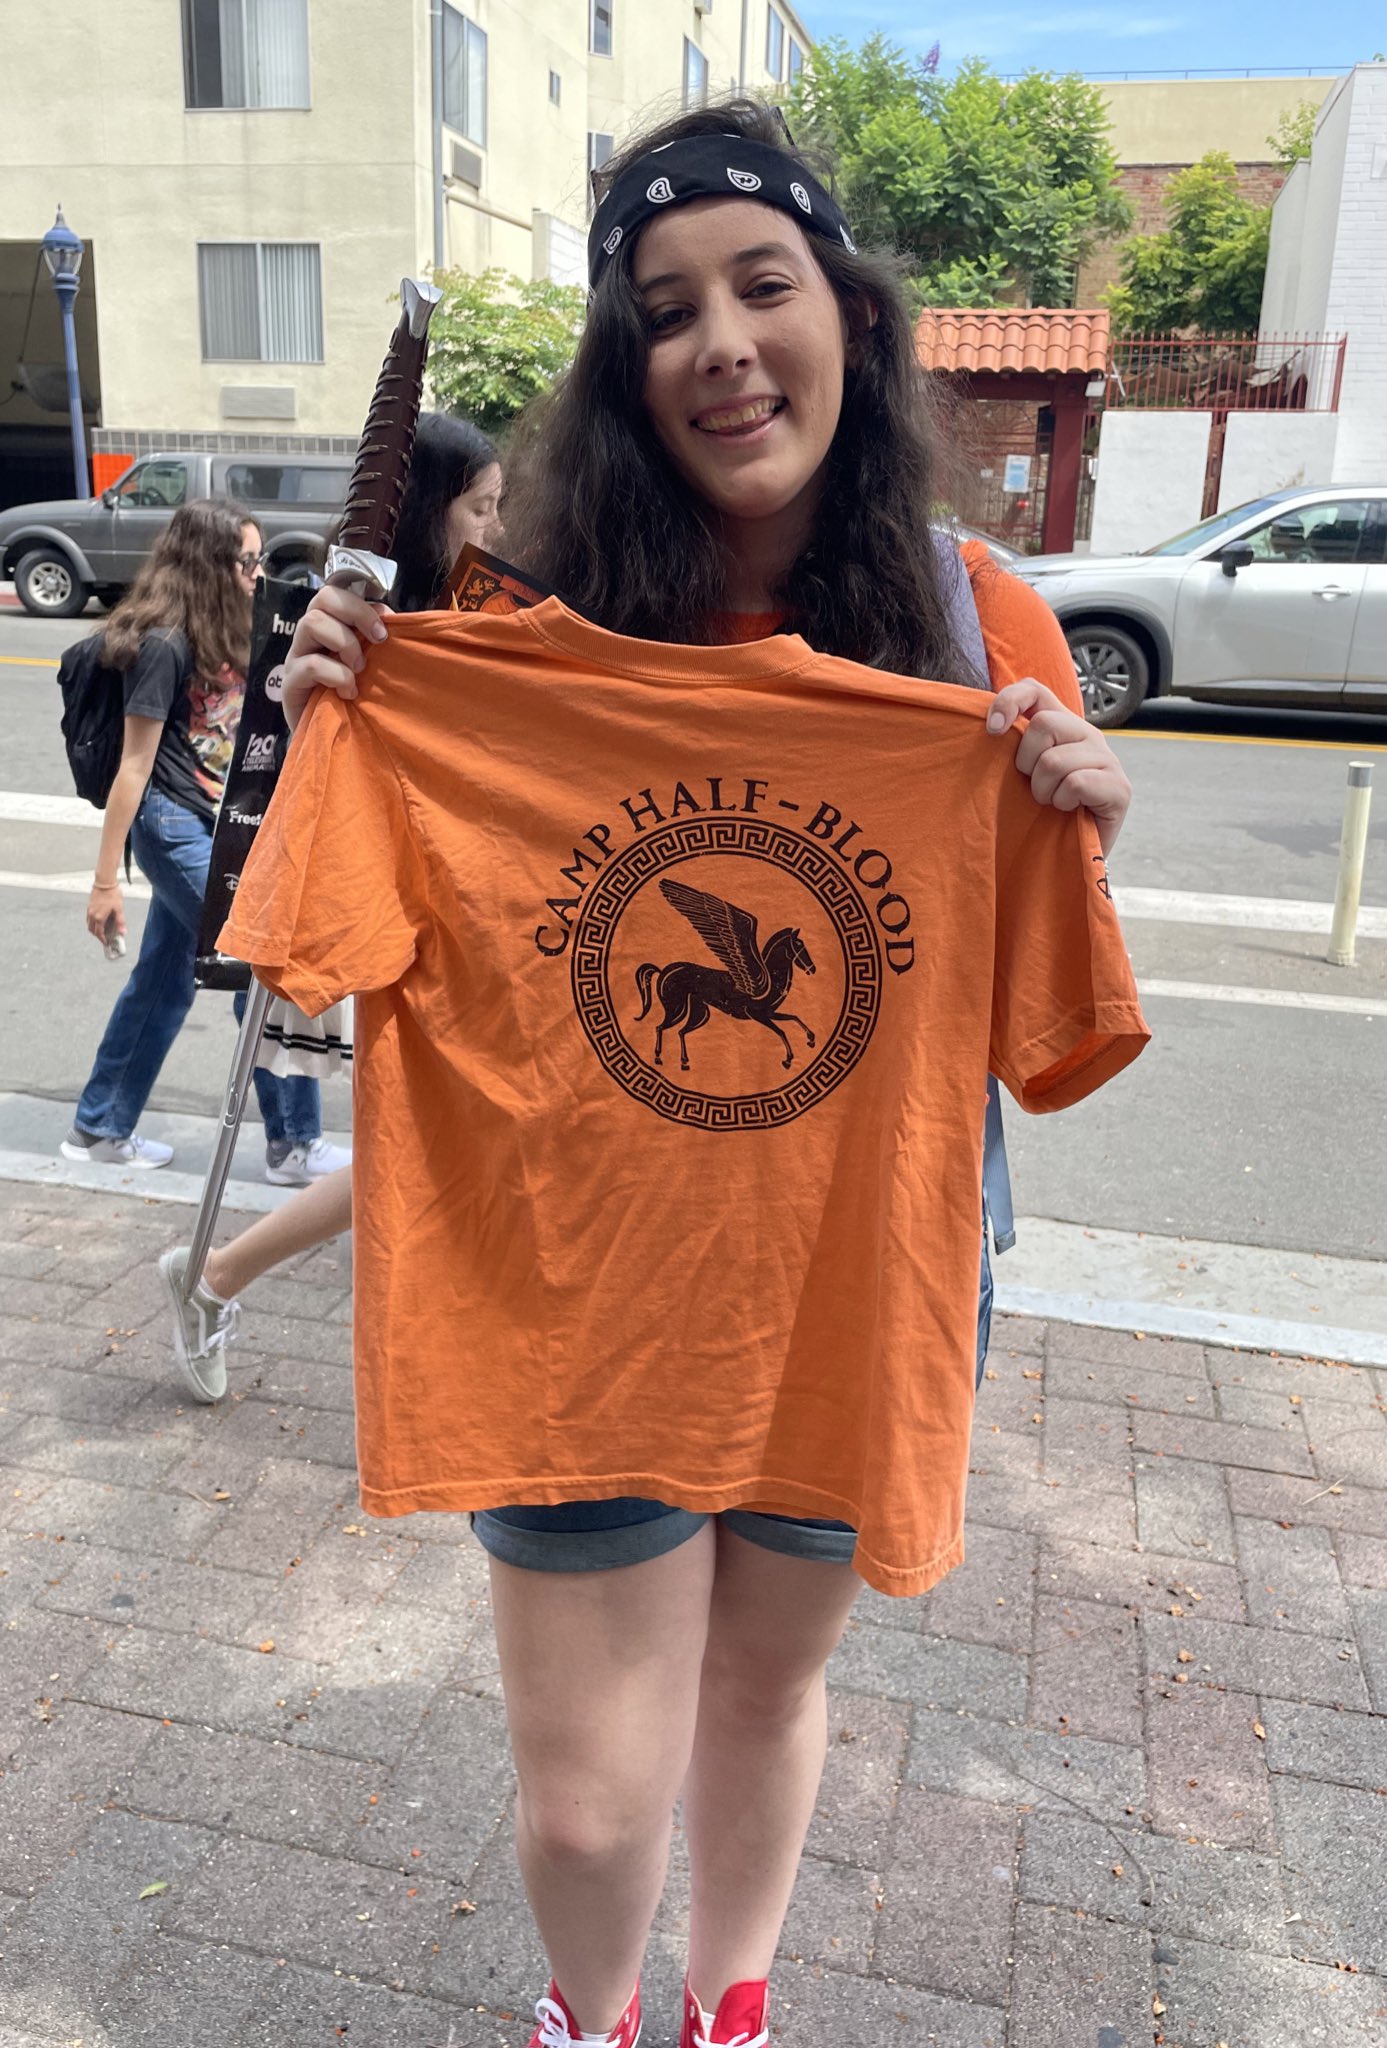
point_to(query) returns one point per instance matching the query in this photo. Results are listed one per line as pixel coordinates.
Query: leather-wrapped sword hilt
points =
(361, 557)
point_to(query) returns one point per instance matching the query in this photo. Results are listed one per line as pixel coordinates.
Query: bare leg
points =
(315, 1214)
(601, 1679)
(758, 1752)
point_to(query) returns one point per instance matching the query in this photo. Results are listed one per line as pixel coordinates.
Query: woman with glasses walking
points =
(180, 642)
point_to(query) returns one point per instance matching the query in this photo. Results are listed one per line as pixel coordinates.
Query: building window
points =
(600, 27)
(796, 60)
(695, 75)
(775, 44)
(245, 53)
(555, 89)
(600, 148)
(262, 302)
(464, 76)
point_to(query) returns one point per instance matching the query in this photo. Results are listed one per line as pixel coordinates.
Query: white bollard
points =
(1353, 845)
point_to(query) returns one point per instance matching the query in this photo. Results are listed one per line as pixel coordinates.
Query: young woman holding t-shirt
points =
(743, 442)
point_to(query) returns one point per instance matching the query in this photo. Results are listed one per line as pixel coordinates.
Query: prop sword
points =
(359, 561)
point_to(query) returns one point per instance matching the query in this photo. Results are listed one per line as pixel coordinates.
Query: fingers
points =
(328, 650)
(1058, 728)
(1023, 699)
(1068, 776)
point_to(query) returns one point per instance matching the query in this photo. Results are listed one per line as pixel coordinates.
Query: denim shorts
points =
(601, 1535)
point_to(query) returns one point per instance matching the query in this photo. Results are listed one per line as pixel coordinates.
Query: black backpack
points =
(94, 715)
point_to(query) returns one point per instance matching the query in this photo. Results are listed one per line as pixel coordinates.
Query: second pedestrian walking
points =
(180, 642)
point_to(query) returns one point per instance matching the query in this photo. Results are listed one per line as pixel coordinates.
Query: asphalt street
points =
(1257, 1119)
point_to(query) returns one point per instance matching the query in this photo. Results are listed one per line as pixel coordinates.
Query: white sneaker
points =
(298, 1166)
(131, 1151)
(203, 1326)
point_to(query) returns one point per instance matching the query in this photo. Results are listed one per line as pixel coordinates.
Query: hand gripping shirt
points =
(680, 971)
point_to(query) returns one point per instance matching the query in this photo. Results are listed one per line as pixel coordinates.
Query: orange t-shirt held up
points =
(680, 971)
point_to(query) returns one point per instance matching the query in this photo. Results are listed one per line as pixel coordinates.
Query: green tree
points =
(992, 190)
(1205, 270)
(496, 341)
(1294, 134)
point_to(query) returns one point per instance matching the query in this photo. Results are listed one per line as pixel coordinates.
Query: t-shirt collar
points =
(663, 660)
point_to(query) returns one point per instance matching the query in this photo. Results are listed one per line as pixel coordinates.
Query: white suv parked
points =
(1281, 601)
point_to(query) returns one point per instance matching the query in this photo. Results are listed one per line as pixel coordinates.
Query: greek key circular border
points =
(760, 839)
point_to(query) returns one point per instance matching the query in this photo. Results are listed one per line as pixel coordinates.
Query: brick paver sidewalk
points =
(1121, 1780)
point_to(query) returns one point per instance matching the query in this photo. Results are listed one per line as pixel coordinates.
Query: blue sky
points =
(1142, 35)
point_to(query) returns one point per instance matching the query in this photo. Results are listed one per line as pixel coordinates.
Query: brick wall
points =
(1145, 186)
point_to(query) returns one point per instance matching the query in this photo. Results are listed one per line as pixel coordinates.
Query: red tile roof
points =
(1032, 339)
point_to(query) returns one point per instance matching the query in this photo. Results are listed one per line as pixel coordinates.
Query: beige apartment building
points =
(252, 178)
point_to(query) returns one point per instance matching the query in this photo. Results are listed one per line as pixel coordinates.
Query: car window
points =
(1341, 533)
(259, 483)
(1210, 529)
(154, 483)
(321, 486)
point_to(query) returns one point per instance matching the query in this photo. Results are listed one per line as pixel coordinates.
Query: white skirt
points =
(312, 1047)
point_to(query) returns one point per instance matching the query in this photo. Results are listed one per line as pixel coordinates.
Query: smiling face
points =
(748, 346)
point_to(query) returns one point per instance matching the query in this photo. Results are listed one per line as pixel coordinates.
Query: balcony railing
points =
(1227, 373)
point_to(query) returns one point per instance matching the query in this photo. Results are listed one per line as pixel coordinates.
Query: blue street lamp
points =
(63, 252)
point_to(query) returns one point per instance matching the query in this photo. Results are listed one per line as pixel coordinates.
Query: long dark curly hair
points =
(188, 580)
(596, 509)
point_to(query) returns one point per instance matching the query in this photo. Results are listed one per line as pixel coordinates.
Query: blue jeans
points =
(173, 846)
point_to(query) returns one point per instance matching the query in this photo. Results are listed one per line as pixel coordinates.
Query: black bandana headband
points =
(710, 167)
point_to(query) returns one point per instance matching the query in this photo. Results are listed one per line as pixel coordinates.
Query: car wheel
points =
(47, 584)
(1113, 671)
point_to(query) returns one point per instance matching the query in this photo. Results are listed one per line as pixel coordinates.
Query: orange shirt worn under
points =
(680, 973)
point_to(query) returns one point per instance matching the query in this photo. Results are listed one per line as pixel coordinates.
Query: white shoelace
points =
(553, 2025)
(222, 1332)
(554, 2030)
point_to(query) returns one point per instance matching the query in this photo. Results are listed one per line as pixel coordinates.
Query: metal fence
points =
(1227, 373)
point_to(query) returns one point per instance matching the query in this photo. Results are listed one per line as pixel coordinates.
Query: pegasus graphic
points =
(754, 985)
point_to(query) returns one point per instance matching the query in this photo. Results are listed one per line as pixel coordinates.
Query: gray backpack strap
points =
(996, 1175)
(963, 608)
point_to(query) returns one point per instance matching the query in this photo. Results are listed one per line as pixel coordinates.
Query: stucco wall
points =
(1275, 451)
(1281, 307)
(1175, 120)
(1150, 478)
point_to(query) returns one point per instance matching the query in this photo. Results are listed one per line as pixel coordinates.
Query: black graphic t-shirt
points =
(199, 716)
(680, 972)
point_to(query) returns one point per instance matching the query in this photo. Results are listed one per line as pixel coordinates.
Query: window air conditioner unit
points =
(467, 166)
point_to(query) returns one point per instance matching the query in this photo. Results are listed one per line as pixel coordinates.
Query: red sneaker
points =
(742, 2020)
(558, 2029)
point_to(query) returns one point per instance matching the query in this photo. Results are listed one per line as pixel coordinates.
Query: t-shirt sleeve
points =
(154, 678)
(330, 902)
(1020, 632)
(1065, 1013)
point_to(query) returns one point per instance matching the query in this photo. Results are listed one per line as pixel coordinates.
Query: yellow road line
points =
(1230, 739)
(24, 661)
